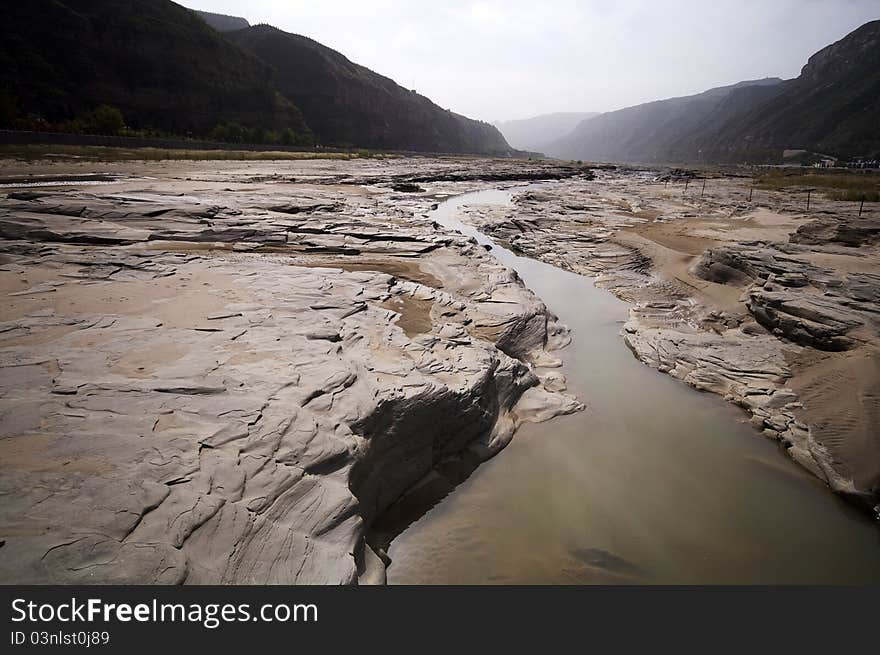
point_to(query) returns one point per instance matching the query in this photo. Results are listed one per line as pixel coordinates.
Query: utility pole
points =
(704, 188)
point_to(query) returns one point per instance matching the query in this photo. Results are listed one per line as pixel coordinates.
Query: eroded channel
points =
(653, 483)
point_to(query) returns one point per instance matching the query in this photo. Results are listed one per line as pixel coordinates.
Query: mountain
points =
(346, 104)
(830, 108)
(222, 22)
(167, 70)
(652, 132)
(535, 134)
(154, 60)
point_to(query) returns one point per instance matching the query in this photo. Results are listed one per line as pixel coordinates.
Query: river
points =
(655, 483)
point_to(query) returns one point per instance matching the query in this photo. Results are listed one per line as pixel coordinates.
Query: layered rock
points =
(793, 298)
(202, 385)
(744, 300)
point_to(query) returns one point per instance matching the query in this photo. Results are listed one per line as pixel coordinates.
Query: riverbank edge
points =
(531, 348)
(770, 405)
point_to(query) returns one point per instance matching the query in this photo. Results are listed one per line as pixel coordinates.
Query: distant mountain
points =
(156, 61)
(535, 134)
(831, 108)
(222, 22)
(346, 104)
(654, 131)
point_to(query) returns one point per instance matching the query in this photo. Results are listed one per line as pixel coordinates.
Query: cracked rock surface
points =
(223, 372)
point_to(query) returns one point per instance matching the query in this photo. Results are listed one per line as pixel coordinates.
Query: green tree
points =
(288, 137)
(292, 138)
(8, 108)
(218, 133)
(228, 133)
(104, 120)
(256, 135)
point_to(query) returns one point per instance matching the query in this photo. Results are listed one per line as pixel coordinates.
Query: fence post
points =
(704, 188)
(809, 191)
(750, 193)
(862, 204)
(686, 182)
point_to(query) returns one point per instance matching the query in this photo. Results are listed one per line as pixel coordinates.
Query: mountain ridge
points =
(646, 133)
(348, 104)
(222, 22)
(831, 107)
(168, 72)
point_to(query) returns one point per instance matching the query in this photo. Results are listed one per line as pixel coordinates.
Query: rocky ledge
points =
(742, 294)
(214, 374)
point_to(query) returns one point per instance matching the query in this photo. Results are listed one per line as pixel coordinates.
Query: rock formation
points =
(225, 378)
(767, 306)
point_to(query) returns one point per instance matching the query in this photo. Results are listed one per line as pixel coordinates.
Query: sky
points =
(510, 59)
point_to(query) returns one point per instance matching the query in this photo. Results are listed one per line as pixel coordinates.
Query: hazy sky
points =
(506, 59)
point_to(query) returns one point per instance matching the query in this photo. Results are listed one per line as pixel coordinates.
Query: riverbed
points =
(655, 483)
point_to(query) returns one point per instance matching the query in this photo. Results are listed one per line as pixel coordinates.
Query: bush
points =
(104, 120)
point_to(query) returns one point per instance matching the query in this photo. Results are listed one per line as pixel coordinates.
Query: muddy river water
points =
(653, 483)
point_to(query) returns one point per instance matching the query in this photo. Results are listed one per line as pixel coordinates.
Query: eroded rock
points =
(200, 386)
